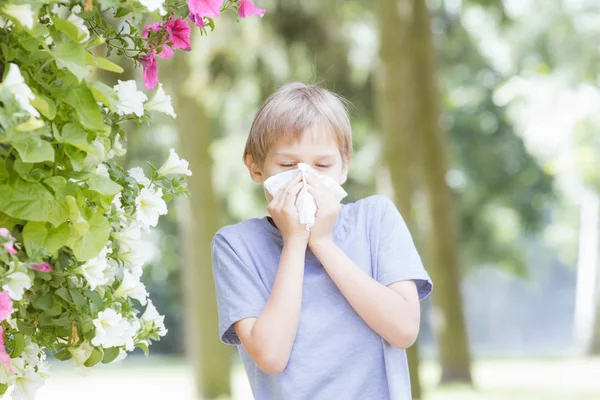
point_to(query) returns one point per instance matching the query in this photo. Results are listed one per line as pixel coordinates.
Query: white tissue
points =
(305, 202)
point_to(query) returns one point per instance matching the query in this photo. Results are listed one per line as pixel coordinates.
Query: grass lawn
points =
(505, 379)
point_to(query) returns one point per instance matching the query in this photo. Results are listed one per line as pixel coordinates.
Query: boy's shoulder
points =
(233, 232)
(372, 206)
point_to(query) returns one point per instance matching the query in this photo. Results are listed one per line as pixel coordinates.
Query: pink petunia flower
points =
(166, 50)
(4, 356)
(9, 246)
(150, 70)
(204, 8)
(43, 267)
(6, 307)
(247, 8)
(179, 33)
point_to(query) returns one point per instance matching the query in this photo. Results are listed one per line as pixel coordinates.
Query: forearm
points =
(274, 331)
(387, 312)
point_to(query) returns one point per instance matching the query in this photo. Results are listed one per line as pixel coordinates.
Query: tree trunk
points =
(395, 113)
(444, 264)
(199, 220)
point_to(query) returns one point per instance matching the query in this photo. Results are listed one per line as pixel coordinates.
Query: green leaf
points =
(37, 234)
(7, 221)
(69, 29)
(44, 302)
(71, 56)
(24, 327)
(104, 185)
(102, 63)
(3, 388)
(104, 94)
(94, 358)
(82, 100)
(55, 311)
(79, 299)
(76, 136)
(89, 245)
(62, 293)
(31, 201)
(32, 148)
(94, 296)
(63, 321)
(18, 345)
(144, 347)
(110, 354)
(63, 355)
(45, 106)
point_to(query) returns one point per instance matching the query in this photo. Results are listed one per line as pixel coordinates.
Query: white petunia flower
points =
(102, 170)
(137, 173)
(27, 384)
(5, 23)
(154, 5)
(149, 206)
(6, 377)
(132, 287)
(16, 283)
(60, 11)
(81, 353)
(131, 101)
(80, 25)
(151, 315)
(112, 330)
(117, 149)
(32, 353)
(92, 159)
(130, 235)
(174, 165)
(93, 270)
(22, 13)
(16, 85)
(132, 249)
(116, 201)
(161, 103)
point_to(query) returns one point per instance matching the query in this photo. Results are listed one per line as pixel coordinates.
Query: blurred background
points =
(480, 118)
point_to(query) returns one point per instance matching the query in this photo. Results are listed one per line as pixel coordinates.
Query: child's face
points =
(320, 151)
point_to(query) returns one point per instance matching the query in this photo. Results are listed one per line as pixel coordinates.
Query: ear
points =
(255, 171)
(345, 170)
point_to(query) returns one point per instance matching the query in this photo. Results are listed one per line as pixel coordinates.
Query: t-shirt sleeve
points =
(240, 291)
(397, 257)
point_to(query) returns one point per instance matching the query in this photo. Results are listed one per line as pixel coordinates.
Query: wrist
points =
(295, 241)
(321, 244)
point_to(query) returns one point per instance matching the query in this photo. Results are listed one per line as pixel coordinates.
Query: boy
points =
(325, 313)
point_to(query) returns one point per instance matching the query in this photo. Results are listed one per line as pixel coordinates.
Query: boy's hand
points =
(283, 210)
(327, 211)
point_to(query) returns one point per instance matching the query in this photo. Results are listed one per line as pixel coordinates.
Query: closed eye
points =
(287, 165)
(323, 166)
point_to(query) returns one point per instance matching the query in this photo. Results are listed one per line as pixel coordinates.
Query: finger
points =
(279, 198)
(319, 194)
(291, 183)
(290, 199)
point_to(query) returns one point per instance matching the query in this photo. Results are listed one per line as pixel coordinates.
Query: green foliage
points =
(71, 217)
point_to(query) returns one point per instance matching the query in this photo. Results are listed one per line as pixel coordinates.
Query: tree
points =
(199, 221)
(396, 118)
(443, 242)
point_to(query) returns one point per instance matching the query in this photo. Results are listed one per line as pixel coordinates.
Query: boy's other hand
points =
(327, 211)
(283, 210)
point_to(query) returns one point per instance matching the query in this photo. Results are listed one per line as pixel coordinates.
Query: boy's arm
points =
(269, 338)
(392, 311)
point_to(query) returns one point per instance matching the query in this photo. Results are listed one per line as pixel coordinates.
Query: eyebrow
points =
(323, 155)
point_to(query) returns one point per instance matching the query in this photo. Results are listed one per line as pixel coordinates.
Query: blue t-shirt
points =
(335, 355)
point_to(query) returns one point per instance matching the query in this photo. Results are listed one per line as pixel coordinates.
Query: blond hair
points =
(292, 109)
